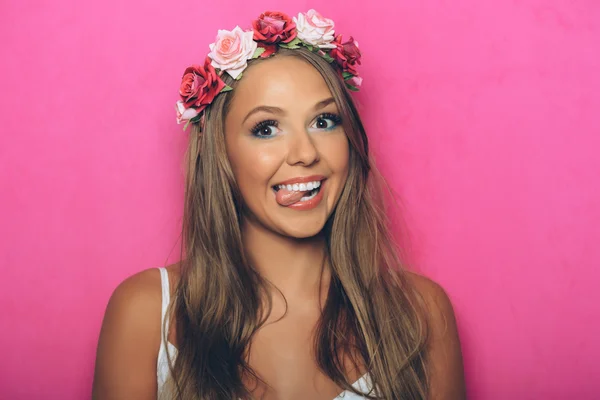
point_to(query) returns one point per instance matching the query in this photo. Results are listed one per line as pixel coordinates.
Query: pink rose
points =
(274, 27)
(346, 54)
(314, 29)
(184, 114)
(355, 81)
(199, 86)
(232, 50)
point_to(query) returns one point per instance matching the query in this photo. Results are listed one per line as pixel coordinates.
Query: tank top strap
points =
(166, 298)
(162, 362)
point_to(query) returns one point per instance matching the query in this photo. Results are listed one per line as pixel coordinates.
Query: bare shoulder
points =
(444, 354)
(136, 302)
(137, 290)
(129, 339)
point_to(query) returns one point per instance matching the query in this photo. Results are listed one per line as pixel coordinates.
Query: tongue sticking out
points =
(288, 197)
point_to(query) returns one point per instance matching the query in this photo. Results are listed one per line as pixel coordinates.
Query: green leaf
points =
(289, 46)
(226, 89)
(186, 125)
(347, 75)
(328, 58)
(350, 87)
(294, 42)
(309, 47)
(196, 119)
(258, 52)
(239, 77)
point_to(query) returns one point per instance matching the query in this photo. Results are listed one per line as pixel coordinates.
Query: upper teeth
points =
(300, 187)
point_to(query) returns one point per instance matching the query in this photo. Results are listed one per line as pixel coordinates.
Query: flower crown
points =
(273, 29)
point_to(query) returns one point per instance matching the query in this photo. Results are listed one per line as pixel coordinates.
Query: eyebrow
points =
(324, 103)
(279, 111)
(269, 109)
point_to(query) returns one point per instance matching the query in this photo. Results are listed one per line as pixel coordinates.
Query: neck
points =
(294, 266)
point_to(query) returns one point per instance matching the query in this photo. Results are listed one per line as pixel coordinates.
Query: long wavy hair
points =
(372, 315)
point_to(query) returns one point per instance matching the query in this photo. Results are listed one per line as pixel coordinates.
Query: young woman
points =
(289, 285)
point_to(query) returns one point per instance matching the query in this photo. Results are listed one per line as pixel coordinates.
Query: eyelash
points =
(262, 125)
(336, 119)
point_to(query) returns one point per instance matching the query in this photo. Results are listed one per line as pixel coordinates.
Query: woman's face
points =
(287, 147)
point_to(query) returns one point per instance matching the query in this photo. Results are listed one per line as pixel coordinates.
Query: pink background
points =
(484, 115)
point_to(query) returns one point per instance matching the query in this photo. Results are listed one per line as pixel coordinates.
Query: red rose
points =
(199, 86)
(346, 54)
(274, 27)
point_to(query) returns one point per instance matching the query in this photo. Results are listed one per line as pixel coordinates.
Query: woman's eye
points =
(265, 129)
(327, 121)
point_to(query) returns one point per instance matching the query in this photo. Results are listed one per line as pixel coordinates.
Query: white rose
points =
(314, 29)
(232, 50)
(184, 114)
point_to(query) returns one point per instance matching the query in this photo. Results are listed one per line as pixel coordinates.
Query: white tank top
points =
(363, 384)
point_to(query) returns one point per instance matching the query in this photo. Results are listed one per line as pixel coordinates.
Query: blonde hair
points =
(372, 315)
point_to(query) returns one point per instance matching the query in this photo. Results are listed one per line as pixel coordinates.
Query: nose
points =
(302, 149)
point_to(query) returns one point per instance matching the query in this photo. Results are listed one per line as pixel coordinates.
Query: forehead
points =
(285, 82)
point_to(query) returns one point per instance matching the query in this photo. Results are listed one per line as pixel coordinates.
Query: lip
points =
(309, 204)
(302, 179)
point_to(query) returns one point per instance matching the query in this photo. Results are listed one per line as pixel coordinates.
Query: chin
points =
(302, 233)
(301, 229)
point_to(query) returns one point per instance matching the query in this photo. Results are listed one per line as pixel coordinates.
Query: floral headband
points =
(232, 50)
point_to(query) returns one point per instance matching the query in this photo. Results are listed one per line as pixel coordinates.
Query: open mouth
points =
(296, 194)
(309, 189)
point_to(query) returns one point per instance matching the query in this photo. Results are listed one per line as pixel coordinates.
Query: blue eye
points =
(265, 129)
(327, 121)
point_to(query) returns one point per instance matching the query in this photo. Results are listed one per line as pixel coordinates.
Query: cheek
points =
(338, 152)
(339, 163)
(253, 167)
